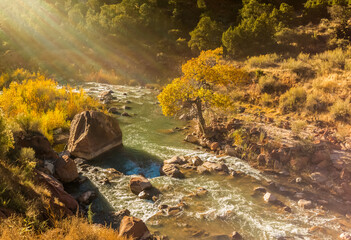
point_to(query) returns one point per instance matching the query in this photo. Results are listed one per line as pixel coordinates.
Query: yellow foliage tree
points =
(201, 83)
(38, 103)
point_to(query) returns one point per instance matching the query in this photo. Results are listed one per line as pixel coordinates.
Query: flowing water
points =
(229, 204)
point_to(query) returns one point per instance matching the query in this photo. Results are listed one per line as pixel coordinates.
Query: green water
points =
(228, 206)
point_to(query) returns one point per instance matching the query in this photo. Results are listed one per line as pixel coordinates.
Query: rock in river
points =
(93, 133)
(171, 170)
(133, 228)
(139, 184)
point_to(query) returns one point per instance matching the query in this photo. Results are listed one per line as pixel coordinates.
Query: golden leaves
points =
(202, 78)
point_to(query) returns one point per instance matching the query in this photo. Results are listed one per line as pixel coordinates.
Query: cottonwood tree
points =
(202, 84)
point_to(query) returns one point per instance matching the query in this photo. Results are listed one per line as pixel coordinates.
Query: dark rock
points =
(66, 169)
(321, 156)
(114, 110)
(87, 197)
(236, 236)
(261, 160)
(139, 184)
(125, 114)
(260, 190)
(57, 192)
(299, 162)
(38, 142)
(92, 134)
(122, 213)
(196, 161)
(287, 209)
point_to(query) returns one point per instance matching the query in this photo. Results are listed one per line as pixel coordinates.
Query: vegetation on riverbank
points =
(32, 102)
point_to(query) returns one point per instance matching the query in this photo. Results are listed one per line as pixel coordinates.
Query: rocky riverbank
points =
(312, 162)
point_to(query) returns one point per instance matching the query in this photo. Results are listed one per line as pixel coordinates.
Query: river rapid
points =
(228, 206)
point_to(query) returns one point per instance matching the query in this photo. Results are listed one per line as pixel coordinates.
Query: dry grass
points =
(68, 229)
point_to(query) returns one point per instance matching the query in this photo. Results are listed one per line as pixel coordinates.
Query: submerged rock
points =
(87, 197)
(176, 160)
(93, 133)
(134, 228)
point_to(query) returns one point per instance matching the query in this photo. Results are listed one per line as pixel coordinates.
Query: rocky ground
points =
(311, 166)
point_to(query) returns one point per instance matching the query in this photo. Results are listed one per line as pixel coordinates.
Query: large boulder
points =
(66, 169)
(93, 133)
(133, 228)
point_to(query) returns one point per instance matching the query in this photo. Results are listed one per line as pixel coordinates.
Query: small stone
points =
(306, 204)
(269, 198)
(236, 236)
(287, 209)
(318, 177)
(196, 161)
(260, 190)
(125, 114)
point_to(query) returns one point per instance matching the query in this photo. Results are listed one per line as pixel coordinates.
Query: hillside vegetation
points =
(143, 41)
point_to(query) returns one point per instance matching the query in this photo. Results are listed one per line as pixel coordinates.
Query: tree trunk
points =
(201, 119)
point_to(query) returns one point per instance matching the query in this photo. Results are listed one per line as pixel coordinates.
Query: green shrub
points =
(266, 99)
(263, 61)
(27, 161)
(314, 103)
(206, 35)
(270, 85)
(298, 126)
(292, 100)
(341, 111)
(255, 33)
(6, 138)
(299, 67)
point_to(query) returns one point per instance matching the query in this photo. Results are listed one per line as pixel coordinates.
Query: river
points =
(229, 204)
